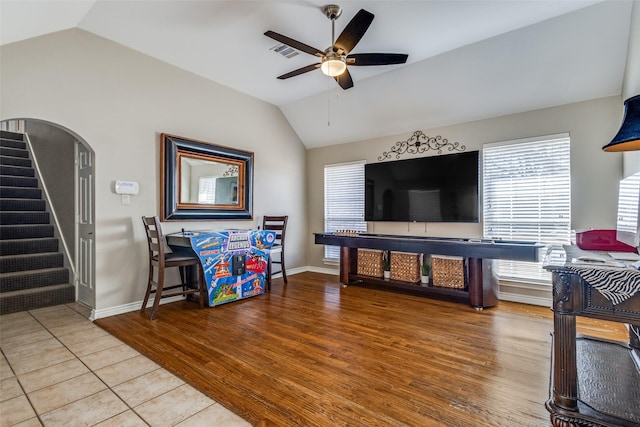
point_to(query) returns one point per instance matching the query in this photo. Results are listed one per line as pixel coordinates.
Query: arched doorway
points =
(64, 164)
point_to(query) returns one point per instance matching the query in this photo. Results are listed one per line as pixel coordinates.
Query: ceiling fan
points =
(335, 59)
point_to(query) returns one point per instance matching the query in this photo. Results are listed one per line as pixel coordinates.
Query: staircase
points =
(32, 272)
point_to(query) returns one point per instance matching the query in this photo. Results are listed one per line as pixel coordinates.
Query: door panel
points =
(85, 252)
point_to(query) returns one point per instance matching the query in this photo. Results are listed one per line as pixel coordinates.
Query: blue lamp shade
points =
(628, 137)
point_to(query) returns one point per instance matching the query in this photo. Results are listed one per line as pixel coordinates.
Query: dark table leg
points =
(483, 283)
(565, 375)
(345, 263)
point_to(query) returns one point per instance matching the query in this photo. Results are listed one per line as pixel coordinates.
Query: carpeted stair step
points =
(26, 262)
(16, 171)
(28, 246)
(14, 152)
(30, 299)
(32, 272)
(20, 280)
(12, 143)
(17, 217)
(25, 231)
(15, 161)
(32, 205)
(18, 181)
(5, 134)
(20, 193)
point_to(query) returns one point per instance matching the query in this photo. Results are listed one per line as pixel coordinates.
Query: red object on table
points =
(601, 240)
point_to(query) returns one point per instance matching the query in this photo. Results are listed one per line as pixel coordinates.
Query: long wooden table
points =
(482, 288)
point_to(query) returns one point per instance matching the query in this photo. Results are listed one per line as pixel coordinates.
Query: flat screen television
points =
(426, 189)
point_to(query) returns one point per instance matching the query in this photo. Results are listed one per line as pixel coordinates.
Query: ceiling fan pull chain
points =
(329, 103)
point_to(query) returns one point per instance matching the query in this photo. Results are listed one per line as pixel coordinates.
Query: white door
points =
(85, 244)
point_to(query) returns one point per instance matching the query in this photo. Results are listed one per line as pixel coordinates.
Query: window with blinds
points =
(207, 190)
(527, 196)
(343, 201)
(627, 225)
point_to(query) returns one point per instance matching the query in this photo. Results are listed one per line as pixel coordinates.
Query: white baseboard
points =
(292, 271)
(526, 299)
(126, 308)
(323, 270)
(297, 270)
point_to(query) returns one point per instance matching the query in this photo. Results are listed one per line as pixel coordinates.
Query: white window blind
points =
(343, 201)
(628, 201)
(207, 190)
(527, 196)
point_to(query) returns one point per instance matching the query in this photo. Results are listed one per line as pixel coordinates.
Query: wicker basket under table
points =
(405, 267)
(448, 271)
(370, 262)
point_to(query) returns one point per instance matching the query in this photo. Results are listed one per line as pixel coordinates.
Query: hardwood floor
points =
(312, 353)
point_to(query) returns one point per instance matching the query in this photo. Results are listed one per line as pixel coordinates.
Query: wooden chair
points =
(160, 260)
(279, 225)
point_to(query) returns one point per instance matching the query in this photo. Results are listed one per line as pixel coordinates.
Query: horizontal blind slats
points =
(343, 201)
(527, 196)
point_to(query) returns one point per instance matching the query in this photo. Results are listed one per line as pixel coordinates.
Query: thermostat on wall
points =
(126, 187)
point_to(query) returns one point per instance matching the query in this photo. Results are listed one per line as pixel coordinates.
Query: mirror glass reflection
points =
(208, 181)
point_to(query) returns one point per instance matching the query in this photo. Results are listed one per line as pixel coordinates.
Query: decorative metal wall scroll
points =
(232, 171)
(418, 143)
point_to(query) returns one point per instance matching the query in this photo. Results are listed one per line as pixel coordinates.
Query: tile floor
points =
(59, 369)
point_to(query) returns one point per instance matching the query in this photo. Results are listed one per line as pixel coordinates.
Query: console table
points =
(480, 254)
(594, 382)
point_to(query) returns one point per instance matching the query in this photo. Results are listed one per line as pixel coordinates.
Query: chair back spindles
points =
(154, 236)
(279, 225)
(160, 260)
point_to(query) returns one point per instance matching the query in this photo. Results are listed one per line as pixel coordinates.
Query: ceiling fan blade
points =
(377, 58)
(299, 71)
(344, 80)
(294, 43)
(353, 32)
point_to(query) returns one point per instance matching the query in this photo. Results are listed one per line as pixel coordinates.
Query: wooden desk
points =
(482, 289)
(594, 382)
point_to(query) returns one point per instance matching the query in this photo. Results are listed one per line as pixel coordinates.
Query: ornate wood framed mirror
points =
(203, 181)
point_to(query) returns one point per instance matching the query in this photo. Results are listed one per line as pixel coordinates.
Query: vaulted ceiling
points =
(468, 60)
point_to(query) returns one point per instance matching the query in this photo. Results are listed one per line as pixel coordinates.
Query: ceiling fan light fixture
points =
(335, 58)
(333, 66)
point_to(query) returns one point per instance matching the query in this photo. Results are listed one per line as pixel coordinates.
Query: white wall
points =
(594, 173)
(119, 101)
(631, 83)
